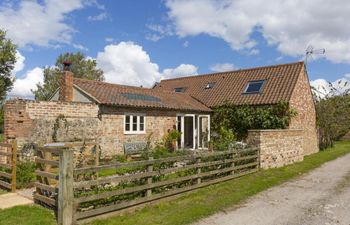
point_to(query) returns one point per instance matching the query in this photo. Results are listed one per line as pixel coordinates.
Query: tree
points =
(81, 67)
(333, 119)
(7, 63)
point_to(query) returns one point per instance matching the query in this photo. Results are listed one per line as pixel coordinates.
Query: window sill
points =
(134, 132)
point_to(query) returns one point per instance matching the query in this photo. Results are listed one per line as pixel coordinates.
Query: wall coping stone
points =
(58, 102)
(275, 130)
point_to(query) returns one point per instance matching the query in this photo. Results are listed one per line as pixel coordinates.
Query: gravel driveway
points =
(319, 197)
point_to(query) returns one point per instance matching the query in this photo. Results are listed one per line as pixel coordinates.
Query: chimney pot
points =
(66, 65)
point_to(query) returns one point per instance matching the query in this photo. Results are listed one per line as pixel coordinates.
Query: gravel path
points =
(13, 199)
(320, 197)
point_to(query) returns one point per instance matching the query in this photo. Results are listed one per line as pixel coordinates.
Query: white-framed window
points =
(134, 123)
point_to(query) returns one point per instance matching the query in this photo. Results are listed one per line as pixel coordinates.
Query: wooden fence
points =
(8, 160)
(51, 162)
(91, 191)
(47, 164)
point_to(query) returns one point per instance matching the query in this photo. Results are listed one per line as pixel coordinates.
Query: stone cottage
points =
(116, 114)
(257, 86)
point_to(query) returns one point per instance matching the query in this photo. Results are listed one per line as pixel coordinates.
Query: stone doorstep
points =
(13, 199)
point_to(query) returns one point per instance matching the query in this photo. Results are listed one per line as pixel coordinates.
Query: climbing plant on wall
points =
(236, 120)
(56, 126)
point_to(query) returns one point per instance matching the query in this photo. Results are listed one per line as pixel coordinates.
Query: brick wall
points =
(33, 122)
(277, 147)
(157, 125)
(302, 101)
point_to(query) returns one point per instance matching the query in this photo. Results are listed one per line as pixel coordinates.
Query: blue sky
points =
(139, 42)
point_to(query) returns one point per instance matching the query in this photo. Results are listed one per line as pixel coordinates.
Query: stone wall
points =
(303, 102)
(37, 122)
(277, 147)
(158, 123)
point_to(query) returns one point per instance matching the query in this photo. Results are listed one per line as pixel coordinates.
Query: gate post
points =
(65, 190)
(13, 165)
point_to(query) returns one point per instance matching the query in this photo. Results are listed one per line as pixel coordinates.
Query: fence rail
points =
(80, 193)
(8, 161)
(200, 170)
(46, 181)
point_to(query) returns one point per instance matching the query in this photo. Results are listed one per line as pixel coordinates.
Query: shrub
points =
(170, 138)
(333, 119)
(223, 139)
(120, 158)
(239, 119)
(25, 174)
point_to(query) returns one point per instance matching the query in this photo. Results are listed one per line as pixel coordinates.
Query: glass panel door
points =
(203, 131)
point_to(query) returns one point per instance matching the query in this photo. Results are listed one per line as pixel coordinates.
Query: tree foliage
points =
(81, 67)
(7, 63)
(333, 119)
(1, 120)
(237, 120)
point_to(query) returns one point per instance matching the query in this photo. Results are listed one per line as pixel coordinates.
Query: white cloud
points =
(180, 71)
(30, 22)
(80, 47)
(109, 39)
(186, 44)
(19, 65)
(128, 63)
(222, 67)
(99, 17)
(347, 75)
(157, 32)
(23, 86)
(287, 24)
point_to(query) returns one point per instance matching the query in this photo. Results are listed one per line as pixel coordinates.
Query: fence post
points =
(149, 179)
(65, 190)
(199, 170)
(13, 165)
(233, 164)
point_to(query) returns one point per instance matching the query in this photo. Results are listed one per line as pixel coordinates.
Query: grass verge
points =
(33, 215)
(195, 205)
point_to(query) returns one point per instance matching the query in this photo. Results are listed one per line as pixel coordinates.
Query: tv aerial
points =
(310, 51)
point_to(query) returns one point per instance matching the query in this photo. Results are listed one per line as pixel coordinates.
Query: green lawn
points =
(33, 215)
(195, 205)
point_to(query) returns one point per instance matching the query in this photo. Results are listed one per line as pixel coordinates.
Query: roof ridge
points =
(130, 86)
(112, 84)
(235, 71)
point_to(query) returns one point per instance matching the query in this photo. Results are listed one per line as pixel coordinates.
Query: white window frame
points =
(138, 131)
(183, 129)
(198, 135)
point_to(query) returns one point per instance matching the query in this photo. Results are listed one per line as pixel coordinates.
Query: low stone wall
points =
(277, 147)
(39, 122)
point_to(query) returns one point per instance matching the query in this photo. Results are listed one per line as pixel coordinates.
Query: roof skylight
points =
(210, 85)
(254, 87)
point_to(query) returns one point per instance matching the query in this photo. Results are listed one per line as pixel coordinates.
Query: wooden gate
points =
(8, 159)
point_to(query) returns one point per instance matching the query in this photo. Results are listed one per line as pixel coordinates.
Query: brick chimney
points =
(66, 85)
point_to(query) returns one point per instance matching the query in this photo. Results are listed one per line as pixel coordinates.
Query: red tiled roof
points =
(122, 95)
(279, 84)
